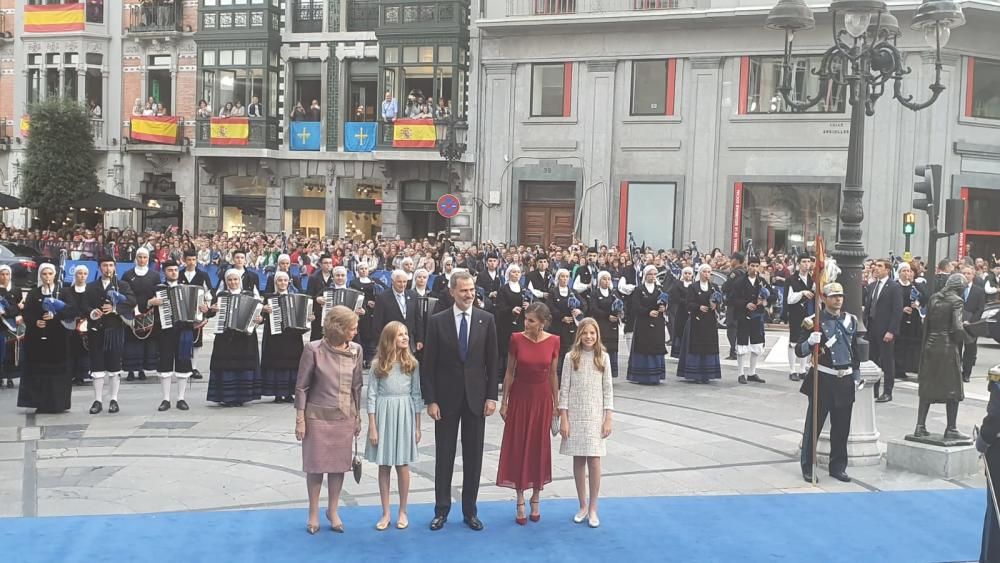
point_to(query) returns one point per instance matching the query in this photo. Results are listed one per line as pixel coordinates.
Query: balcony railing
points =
(517, 8)
(307, 16)
(362, 15)
(410, 141)
(153, 16)
(97, 130)
(263, 133)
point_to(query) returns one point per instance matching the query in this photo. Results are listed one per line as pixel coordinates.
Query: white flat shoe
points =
(593, 522)
(579, 518)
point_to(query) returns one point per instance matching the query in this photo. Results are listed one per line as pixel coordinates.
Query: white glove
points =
(814, 338)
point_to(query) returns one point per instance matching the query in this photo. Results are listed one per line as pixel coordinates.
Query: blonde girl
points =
(585, 406)
(394, 405)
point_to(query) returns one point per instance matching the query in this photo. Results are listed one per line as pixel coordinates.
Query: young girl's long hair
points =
(577, 350)
(389, 354)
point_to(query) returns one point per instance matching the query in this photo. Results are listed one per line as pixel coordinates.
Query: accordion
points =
(289, 311)
(180, 304)
(237, 312)
(350, 298)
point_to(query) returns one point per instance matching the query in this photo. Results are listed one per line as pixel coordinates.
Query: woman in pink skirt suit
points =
(327, 416)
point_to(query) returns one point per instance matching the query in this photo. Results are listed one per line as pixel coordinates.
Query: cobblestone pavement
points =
(673, 439)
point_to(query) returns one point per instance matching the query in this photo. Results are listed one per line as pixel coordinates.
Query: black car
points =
(992, 317)
(23, 262)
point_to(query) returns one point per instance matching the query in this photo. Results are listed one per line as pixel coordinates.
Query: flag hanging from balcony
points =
(414, 133)
(152, 129)
(45, 18)
(230, 131)
(304, 136)
(360, 137)
(25, 125)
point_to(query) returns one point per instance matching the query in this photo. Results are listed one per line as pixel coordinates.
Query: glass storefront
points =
(360, 212)
(305, 206)
(786, 217)
(243, 204)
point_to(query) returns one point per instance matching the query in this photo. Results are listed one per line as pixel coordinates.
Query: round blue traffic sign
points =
(448, 206)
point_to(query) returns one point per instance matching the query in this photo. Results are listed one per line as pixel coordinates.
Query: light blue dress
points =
(395, 400)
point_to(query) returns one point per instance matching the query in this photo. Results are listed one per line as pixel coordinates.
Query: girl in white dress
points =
(394, 405)
(585, 405)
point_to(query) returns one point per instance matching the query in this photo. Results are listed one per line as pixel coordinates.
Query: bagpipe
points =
(916, 301)
(618, 307)
(663, 300)
(573, 303)
(764, 294)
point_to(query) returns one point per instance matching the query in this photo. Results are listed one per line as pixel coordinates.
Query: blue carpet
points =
(911, 527)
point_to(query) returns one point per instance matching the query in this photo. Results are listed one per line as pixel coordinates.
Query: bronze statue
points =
(940, 376)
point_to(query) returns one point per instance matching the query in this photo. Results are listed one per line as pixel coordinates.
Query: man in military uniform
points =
(989, 435)
(838, 364)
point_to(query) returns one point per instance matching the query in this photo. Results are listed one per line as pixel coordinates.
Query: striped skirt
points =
(278, 382)
(646, 369)
(234, 387)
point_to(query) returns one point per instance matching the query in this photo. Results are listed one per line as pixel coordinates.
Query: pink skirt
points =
(328, 446)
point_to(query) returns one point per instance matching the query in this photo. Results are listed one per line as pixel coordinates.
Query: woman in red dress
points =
(530, 393)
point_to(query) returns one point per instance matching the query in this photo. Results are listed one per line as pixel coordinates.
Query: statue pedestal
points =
(862, 444)
(936, 461)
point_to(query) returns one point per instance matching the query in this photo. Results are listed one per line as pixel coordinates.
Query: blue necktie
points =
(966, 297)
(463, 338)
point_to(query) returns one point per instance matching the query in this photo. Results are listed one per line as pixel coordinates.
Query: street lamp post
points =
(863, 60)
(452, 147)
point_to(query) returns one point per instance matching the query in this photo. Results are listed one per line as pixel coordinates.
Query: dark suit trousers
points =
(969, 352)
(473, 427)
(884, 355)
(840, 429)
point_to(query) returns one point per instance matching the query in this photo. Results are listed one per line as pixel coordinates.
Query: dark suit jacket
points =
(885, 314)
(387, 310)
(975, 304)
(96, 296)
(445, 379)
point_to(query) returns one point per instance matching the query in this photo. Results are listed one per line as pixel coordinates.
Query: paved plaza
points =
(673, 439)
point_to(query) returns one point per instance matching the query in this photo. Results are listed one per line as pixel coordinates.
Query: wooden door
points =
(547, 223)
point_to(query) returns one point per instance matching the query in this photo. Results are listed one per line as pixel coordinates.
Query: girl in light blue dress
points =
(394, 405)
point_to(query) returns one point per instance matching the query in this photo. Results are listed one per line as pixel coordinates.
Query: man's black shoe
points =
(793, 376)
(131, 377)
(756, 379)
(438, 522)
(113, 406)
(742, 379)
(164, 406)
(731, 357)
(475, 523)
(195, 374)
(807, 476)
(966, 378)
(142, 376)
(96, 407)
(883, 398)
(182, 405)
(841, 476)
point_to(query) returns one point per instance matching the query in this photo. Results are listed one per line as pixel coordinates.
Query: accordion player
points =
(178, 308)
(287, 317)
(235, 377)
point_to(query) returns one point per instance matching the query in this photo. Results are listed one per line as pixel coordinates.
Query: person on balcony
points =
(254, 109)
(204, 110)
(149, 110)
(443, 110)
(314, 112)
(94, 109)
(227, 110)
(389, 108)
(239, 110)
(298, 112)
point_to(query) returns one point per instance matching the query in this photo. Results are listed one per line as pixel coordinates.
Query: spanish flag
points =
(45, 18)
(161, 129)
(414, 133)
(230, 130)
(25, 125)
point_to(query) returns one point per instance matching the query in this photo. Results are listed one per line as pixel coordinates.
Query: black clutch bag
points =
(356, 463)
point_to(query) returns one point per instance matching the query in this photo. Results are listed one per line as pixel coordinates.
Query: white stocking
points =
(741, 363)
(753, 364)
(165, 384)
(792, 361)
(116, 382)
(98, 386)
(182, 385)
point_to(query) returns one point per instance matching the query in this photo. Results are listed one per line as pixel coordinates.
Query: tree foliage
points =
(59, 167)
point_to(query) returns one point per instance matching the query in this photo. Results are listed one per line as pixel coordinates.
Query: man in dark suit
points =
(397, 304)
(460, 387)
(883, 317)
(975, 301)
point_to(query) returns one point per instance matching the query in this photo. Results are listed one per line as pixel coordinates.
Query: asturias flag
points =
(45, 18)
(360, 137)
(304, 136)
(414, 133)
(230, 130)
(152, 129)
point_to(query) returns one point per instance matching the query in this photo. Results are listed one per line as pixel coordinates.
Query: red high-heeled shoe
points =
(536, 517)
(521, 520)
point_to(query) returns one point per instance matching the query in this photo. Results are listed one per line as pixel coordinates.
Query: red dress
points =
(526, 450)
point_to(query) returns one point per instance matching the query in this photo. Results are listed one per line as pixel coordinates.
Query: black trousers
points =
(840, 429)
(969, 352)
(170, 359)
(317, 330)
(446, 430)
(731, 334)
(884, 356)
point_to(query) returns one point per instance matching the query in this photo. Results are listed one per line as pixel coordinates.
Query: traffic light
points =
(929, 186)
(909, 223)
